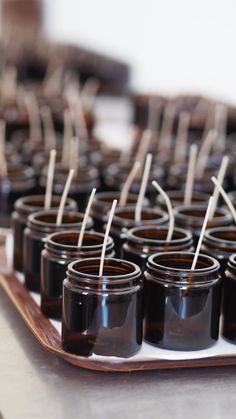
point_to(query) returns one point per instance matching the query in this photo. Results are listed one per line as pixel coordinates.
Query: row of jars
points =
(143, 277)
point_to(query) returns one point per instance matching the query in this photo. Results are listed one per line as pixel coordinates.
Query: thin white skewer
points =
(130, 178)
(202, 233)
(182, 137)
(50, 175)
(111, 215)
(190, 175)
(63, 198)
(143, 187)
(204, 152)
(225, 197)
(220, 178)
(169, 209)
(82, 230)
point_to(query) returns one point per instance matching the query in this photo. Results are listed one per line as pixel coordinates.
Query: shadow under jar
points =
(23, 208)
(191, 217)
(59, 251)
(124, 219)
(142, 242)
(102, 204)
(220, 243)
(39, 226)
(182, 307)
(20, 181)
(229, 301)
(102, 315)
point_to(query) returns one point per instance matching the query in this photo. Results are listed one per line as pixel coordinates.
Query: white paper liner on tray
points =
(147, 352)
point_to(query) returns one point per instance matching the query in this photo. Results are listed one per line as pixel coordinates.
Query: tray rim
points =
(49, 338)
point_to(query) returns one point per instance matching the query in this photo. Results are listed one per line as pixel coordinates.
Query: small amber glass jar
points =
(102, 205)
(124, 219)
(20, 181)
(229, 300)
(142, 242)
(190, 217)
(220, 243)
(39, 225)
(102, 315)
(23, 208)
(59, 251)
(182, 307)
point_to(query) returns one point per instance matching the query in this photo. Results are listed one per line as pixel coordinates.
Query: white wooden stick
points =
(169, 209)
(49, 131)
(67, 135)
(202, 234)
(82, 230)
(34, 118)
(130, 178)
(204, 153)
(182, 137)
(111, 214)
(143, 187)
(74, 154)
(63, 198)
(221, 115)
(220, 178)
(89, 92)
(153, 116)
(190, 175)
(50, 175)
(166, 128)
(3, 162)
(143, 145)
(225, 197)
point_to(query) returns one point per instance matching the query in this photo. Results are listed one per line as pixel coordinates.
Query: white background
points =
(174, 46)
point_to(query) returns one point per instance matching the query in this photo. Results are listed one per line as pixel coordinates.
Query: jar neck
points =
(192, 216)
(118, 275)
(43, 223)
(220, 241)
(64, 245)
(124, 218)
(153, 239)
(175, 268)
(33, 203)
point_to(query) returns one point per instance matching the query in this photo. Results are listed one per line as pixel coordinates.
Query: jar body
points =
(34, 239)
(23, 208)
(142, 242)
(181, 316)
(100, 320)
(60, 250)
(229, 301)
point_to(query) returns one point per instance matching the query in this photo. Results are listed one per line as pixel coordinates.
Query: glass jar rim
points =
(132, 234)
(33, 219)
(214, 264)
(210, 234)
(26, 203)
(51, 240)
(134, 270)
(181, 211)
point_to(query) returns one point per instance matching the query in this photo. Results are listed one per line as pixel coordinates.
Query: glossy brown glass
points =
(102, 204)
(142, 242)
(23, 208)
(59, 251)
(177, 198)
(229, 300)
(220, 243)
(39, 225)
(124, 219)
(102, 315)
(190, 217)
(20, 181)
(182, 307)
